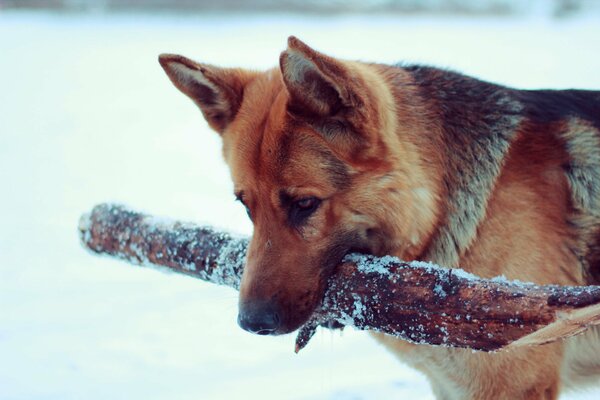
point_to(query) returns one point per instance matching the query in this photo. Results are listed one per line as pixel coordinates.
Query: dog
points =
(330, 156)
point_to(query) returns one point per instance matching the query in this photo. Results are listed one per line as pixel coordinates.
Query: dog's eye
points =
(307, 203)
(302, 209)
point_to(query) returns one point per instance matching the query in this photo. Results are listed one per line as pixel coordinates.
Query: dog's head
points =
(315, 153)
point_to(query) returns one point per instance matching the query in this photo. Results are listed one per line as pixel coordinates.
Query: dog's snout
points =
(259, 317)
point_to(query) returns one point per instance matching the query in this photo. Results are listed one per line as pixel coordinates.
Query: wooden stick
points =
(416, 301)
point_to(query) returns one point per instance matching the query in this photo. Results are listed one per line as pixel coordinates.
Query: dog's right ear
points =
(218, 92)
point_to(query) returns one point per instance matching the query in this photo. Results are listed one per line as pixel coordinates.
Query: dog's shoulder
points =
(482, 126)
(478, 121)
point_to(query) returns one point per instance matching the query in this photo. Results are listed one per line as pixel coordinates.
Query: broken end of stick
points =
(566, 324)
(305, 333)
(89, 219)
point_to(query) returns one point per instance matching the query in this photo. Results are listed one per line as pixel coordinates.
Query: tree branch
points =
(416, 301)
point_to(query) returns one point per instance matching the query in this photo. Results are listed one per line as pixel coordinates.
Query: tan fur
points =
(521, 231)
(365, 141)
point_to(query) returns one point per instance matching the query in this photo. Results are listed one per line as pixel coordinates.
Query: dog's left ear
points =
(319, 85)
(218, 92)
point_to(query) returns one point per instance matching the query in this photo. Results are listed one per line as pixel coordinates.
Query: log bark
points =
(415, 301)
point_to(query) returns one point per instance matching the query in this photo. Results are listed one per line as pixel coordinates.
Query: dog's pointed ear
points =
(218, 92)
(318, 84)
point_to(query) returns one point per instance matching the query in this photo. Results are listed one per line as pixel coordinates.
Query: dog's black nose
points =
(258, 317)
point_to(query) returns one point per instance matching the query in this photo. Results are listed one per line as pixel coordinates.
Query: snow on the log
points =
(419, 302)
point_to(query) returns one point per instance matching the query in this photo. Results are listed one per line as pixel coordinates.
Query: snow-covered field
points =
(87, 115)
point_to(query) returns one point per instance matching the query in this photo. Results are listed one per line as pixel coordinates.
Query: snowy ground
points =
(87, 115)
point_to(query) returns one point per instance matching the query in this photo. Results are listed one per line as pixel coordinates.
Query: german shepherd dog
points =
(331, 156)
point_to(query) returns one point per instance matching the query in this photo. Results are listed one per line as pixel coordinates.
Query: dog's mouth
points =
(304, 315)
(283, 315)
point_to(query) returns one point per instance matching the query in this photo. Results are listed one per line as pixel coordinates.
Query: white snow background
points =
(87, 116)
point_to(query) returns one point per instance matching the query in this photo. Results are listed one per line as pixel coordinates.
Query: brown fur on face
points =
(414, 162)
(316, 127)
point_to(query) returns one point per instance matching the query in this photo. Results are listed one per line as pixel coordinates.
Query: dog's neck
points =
(460, 168)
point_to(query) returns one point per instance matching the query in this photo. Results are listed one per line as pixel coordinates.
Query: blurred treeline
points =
(556, 8)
